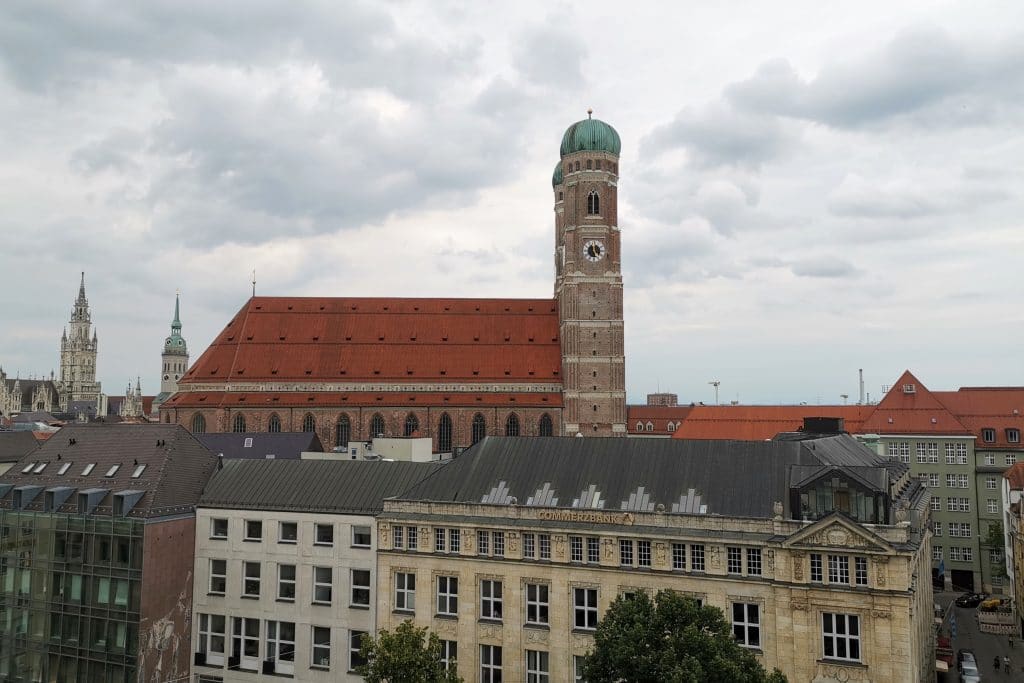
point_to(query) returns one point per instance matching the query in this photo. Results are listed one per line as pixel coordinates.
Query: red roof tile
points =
(757, 423)
(910, 408)
(995, 408)
(658, 417)
(342, 339)
(319, 399)
(1016, 476)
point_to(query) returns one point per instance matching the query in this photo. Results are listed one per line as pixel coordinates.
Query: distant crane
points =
(715, 383)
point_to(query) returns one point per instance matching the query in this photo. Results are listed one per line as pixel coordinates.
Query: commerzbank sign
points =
(586, 516)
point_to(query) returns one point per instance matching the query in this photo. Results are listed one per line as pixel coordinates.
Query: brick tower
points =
(588, 280)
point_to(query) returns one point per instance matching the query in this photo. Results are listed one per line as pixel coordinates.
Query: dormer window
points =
(1013, 435)
(909, 389)
(988, 435)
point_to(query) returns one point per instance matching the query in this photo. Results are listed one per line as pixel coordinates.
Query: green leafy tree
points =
(994, 539)
(670, 639)
(408, 655)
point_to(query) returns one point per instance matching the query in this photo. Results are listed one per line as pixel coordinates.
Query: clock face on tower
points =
(593, 250)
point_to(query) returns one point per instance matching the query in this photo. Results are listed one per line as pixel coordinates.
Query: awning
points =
(941, 666)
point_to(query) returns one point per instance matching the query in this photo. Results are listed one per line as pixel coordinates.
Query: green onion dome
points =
(556, 178)
(591, 135)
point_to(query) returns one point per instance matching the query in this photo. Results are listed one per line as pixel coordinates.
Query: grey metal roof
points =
(14, 445)
(176, 466)
(736, 478)
(338, 486)
(279, 445)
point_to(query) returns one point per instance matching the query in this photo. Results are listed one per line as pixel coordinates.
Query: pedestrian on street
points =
(1006, 664)
(1010, 638)
(996, 663)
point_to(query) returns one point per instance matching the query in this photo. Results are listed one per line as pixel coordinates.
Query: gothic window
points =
(512, 425)
(479, 427)
(198, 424)
(412, 424)
(444, 434)
(593, 204)
(577, 165)
(590, 164)
(309, 423)
(274, 424)
(377, 426)
(238, 425)
(546, 428)
(342, 431)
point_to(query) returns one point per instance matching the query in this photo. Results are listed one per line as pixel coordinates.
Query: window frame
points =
(248, 530)
(369, 534)
(356, 589)
(405, 591)
(829, 633)
(283, 582)
(538, 601)
(223, 577)
(355, 647)
(492, 598)
(538, 666)
(744, 629)
(275, 650)
(490, 664)
(281, 537)
(314, 647)
(585, 612)
(213, 528)
(447, 593)
(317, 528)
(319, 584)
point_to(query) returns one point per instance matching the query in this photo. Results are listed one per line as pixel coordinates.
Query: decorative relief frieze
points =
(835, 673)
(716, 557)
(660, 552)
(512, 541)
(798, 565)
(449, 626)
(489, 632)
(384, 536)
(798, 604)
(536, 635)
(608, 544)
(559, 542)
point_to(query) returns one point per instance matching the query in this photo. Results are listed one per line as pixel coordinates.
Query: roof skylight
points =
(138, 471)
(113, 470)
(28, 468)
(88, 468)
(64, 468)
(40, 467)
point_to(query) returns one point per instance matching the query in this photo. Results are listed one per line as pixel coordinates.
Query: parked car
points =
(970, 599)
(969, 673)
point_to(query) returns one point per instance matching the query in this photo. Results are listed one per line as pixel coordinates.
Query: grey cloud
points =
(909, 199)
(917, 69)
(550, 56)
(118, 151)
(823, 267)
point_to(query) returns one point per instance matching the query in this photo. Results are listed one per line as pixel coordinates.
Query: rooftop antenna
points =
(715, 383)
(844, 397)
(254, 282)
(860, 401)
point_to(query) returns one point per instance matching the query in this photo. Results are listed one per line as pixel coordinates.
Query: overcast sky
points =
(807, 188)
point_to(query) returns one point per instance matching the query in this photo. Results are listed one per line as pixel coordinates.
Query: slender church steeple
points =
(174, 359)
(78, 351)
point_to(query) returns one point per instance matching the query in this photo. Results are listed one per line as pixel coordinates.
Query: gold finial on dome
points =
(590, 112)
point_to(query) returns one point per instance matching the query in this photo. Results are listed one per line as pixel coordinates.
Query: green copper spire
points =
(175, 344)
(176, 323)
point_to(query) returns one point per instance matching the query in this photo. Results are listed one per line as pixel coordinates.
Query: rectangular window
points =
(625, 553)
(251, 579)
(288, 532)
(536, 603)
(577, 669)
(253, 530)
(323, 582)
(360, 587)
(960, 529)
(490, 664)
(490, 599)
(990, 483)
(218, 577)
(529, 545)
(449, 653)
(697, 558)
(398, 534)
(593, 550)
(754, 561)
(412, 538)
(838, 569)
(956, 454)
(362, 537)
(245, 642)
(840, 635)
(285, 582)
(281, 646)
(483, 543)
(816, 572)
(1010, 459)
(936, 553)
(899, 450)
(537, 670)
(355, 647)
(320, 655)
(440, 540)
(746, 624)
(954, 553)
(678, 556)
(218, 528)
(958, 504)
(995, 556)
(576, 549)
(405, 591)
(988, 435)
(448, 595)
(861, 570)
(935, 503)
(992, 506)
(324, 534)
(1013, 435)
(937, 528)
(968, 554)
(734, 560)
(990, 458)
(498, 541)
(643, 553)
(454, 546)
(584, 602)
(933, 480)
(212, 638)
(927, 452)
(544, 543)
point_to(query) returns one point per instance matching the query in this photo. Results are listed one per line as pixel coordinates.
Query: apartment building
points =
(285, 569)
(96, 530)
(816, 550)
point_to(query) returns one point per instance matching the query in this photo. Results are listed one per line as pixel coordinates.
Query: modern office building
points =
(816, 550)
(96, 530)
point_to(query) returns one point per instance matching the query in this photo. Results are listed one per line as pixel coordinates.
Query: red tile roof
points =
(757, 423)
(1016, 476)
(909, 408)
(995, 408)
(305, 399)
(277, 339)
(658, 417)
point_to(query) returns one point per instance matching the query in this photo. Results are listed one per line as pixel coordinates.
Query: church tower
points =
(174, 359)
(588, 280)
(78, 355)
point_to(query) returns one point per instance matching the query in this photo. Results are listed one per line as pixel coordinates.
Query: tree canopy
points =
(670, 639)
(408, 655)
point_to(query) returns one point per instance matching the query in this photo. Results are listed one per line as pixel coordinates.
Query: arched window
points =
(412, 424)
(479, 427)
(593, 203)
(198, 424)
(639, 426)
(377, 426)
(238, 424)
(546, 428)
(274, 424)
(444, 434)
(309, 423)
(590, 164)
(342, 431)
(577, 165)
(650, 426)
(671, 426)
(512, 425)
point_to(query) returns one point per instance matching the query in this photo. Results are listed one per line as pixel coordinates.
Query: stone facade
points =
(79, 347)
(173, 359)
(788, 577)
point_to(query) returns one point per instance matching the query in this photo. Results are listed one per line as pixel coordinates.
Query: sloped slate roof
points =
(177, 466)
(283, 445)
(738, 478)
(15, 445)
(338, 486)
(310, 340)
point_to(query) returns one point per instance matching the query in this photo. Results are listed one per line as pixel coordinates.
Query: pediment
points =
(837, 531)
